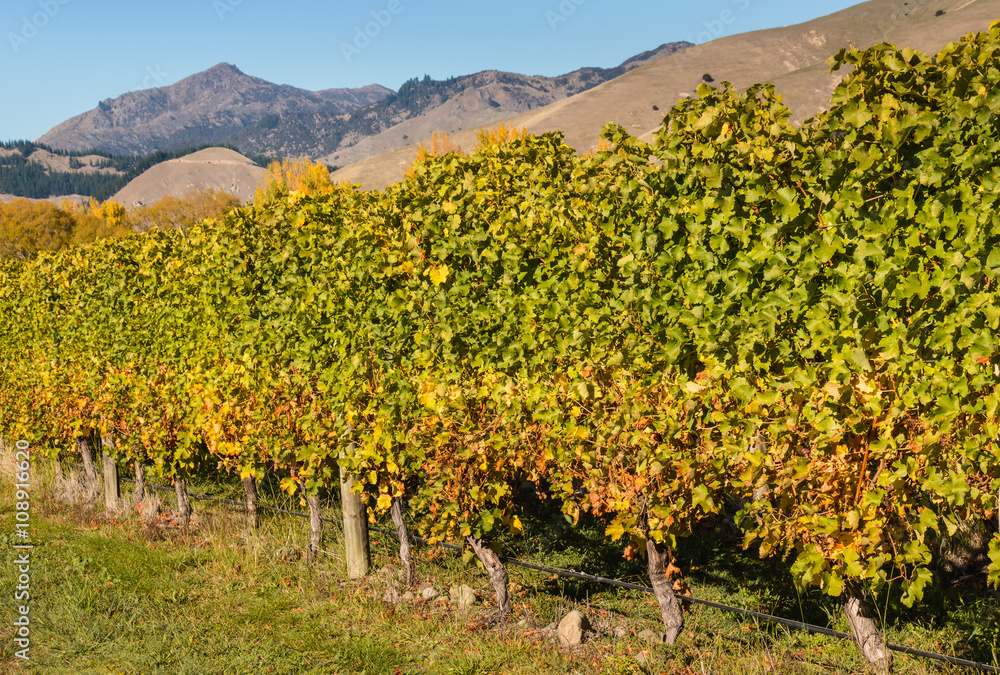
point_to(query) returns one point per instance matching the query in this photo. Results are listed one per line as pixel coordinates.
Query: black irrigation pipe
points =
(796, 625)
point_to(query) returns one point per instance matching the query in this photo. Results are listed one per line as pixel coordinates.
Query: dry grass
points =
(145, 595)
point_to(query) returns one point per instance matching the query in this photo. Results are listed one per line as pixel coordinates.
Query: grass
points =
(120, 595)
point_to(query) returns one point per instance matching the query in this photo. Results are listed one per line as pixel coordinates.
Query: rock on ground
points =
(463, 596)
(650, 636)
(571, 629)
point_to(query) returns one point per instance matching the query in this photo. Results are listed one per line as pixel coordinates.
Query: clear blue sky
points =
(59, 58)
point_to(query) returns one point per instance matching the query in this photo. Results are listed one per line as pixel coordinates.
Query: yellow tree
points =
(294, 175)
(174, 213)
(97, 221)
(27, 227)
(441, 144)
(498, 135)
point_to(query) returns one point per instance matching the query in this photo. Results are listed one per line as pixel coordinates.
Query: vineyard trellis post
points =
(112, 489)
(356, 547)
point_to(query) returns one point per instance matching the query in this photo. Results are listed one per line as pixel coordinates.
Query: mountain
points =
(421, 106)
(791, 57)
(216, 168)
(204, 108)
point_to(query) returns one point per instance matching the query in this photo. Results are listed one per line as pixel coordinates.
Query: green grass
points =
(121, 596)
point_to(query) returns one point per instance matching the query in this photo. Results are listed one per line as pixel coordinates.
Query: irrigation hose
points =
(795, 625)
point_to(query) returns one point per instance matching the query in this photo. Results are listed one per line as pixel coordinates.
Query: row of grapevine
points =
(797, 320)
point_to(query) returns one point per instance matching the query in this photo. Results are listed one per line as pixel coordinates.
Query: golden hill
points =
(216, 168)
(792, 57)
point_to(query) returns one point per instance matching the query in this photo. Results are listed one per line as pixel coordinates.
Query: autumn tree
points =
(498, 135)
(28, 227)
(440, 144)
(299, 175)
(174, 213)
(97, 220)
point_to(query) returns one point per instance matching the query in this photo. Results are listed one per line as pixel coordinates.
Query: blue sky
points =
(59, 58)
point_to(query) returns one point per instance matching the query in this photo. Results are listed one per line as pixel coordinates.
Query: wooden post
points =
(87, 454)
(112, 489)
(356, 548)
(498, 574)
(140, 483)
(405, 555)
(315, 521)
(250, 488)
(663, 589)
(867, 635)
(183, 502)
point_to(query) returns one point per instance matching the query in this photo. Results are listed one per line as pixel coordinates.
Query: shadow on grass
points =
(718, 569)
(965, 620)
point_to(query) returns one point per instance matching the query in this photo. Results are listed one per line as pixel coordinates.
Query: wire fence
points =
(789, 623)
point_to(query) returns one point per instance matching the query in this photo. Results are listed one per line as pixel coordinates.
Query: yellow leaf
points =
(384, 502)
(438, 274)
(515, 525)
(289, 485)
(615, 531)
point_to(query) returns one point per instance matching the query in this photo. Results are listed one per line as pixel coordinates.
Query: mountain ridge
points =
(791, 57)
(206, 107)
(489, 96)
(224, 104)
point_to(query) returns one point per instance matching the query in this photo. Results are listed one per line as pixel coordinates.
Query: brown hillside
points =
(216, 168)
(58, 200)
(204, 108)
(792, 57)
(421, 106)
(88, 163)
